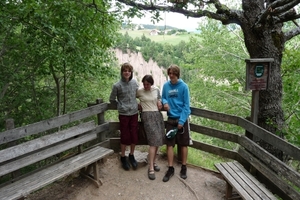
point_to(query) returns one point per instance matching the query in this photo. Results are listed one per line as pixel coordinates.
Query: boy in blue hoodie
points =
(176, 101)
(124, 95)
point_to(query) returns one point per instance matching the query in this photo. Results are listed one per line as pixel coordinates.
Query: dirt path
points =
(134, 185)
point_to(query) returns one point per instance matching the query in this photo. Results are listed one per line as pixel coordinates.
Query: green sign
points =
(259, 71)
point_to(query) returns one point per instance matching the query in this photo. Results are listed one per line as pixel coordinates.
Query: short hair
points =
(175, 70)
(148, 78)
(127, 66)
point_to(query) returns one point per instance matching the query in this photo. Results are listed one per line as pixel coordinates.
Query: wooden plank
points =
(214, 133)
(25, 186)
(33, 158)
(232, 179)
(53, 150)
(222, 117)
(31, 129)
(255, 185)
(274, 178)
(271, 161)
(240, 181)
(243, 182)
(270, 138)
(215, 150)
(47, 140)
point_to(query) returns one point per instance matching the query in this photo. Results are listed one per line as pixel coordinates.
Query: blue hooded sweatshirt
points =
(178, 97)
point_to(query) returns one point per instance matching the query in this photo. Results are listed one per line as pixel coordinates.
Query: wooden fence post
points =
(100, 120)
(10, 124)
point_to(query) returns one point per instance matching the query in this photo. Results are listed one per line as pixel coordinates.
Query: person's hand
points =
(166, 107)
(179, 126)
(140, 107)
(159, 105)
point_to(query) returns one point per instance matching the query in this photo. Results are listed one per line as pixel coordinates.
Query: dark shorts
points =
(182, 139)
(129, 129)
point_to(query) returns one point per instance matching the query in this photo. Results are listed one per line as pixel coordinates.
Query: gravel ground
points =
(118, 184)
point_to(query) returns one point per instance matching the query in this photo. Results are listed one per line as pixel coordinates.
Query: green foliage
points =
(163, 53)
(291, 103)
(213, 64)
(215, 70)
(52, 52)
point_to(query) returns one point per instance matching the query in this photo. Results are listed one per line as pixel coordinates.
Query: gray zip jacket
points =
(124, 94)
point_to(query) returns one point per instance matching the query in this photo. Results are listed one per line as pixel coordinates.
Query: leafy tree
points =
(265, 35)
(291, 103)
(51, 51)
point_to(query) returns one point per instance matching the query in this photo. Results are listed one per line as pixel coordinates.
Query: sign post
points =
(257, 78)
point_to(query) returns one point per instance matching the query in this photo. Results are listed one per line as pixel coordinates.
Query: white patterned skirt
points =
(154, 127)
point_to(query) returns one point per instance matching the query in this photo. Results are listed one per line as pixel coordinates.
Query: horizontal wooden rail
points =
(256, 130)
(226, 153)
(268, 159)
(31, 129)
(214, 133)
(259, 132)
(221, 117)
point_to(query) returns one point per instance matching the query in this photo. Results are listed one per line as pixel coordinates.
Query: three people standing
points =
(175, 100)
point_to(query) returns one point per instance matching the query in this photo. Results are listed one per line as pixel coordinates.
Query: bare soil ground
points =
(118, 184)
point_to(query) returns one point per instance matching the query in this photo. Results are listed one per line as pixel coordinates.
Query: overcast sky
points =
(172, 19)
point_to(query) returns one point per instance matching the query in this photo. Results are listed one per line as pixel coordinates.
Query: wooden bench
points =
(246, 185)
(53, 155)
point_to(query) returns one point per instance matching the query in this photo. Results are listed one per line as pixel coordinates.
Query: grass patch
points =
(171, 39)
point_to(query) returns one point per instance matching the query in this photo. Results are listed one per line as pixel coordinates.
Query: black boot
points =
(124, 162)
(132, 161)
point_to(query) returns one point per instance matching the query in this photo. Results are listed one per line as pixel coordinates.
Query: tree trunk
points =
(266, 41)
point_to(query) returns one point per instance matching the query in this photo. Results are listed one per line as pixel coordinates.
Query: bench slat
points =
(32, 129)
(231, 178)
(253, 183)
(46, 176)
(244, 183)
(47, 140)
(45, 153)
(279, 182)
(33, 158)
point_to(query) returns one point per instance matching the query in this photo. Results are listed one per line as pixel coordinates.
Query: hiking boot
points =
(124, 162)
(132, 161)
(169, 174)
(183, 172)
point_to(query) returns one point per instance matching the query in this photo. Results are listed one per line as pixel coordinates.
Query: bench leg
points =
(228, 191)
(95, 177)
(96, 172)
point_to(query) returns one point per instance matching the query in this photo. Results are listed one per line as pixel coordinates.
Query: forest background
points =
(56, 62)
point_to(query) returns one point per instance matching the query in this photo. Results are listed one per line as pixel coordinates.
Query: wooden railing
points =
(279, 177)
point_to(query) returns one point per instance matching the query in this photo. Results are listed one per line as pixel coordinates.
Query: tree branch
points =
(280, 8)
(223, 13)
(290, 34)
(288, 16)
(284, 8)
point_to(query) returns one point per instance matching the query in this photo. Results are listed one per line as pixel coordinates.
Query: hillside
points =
(171, 39)
(141, 67)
